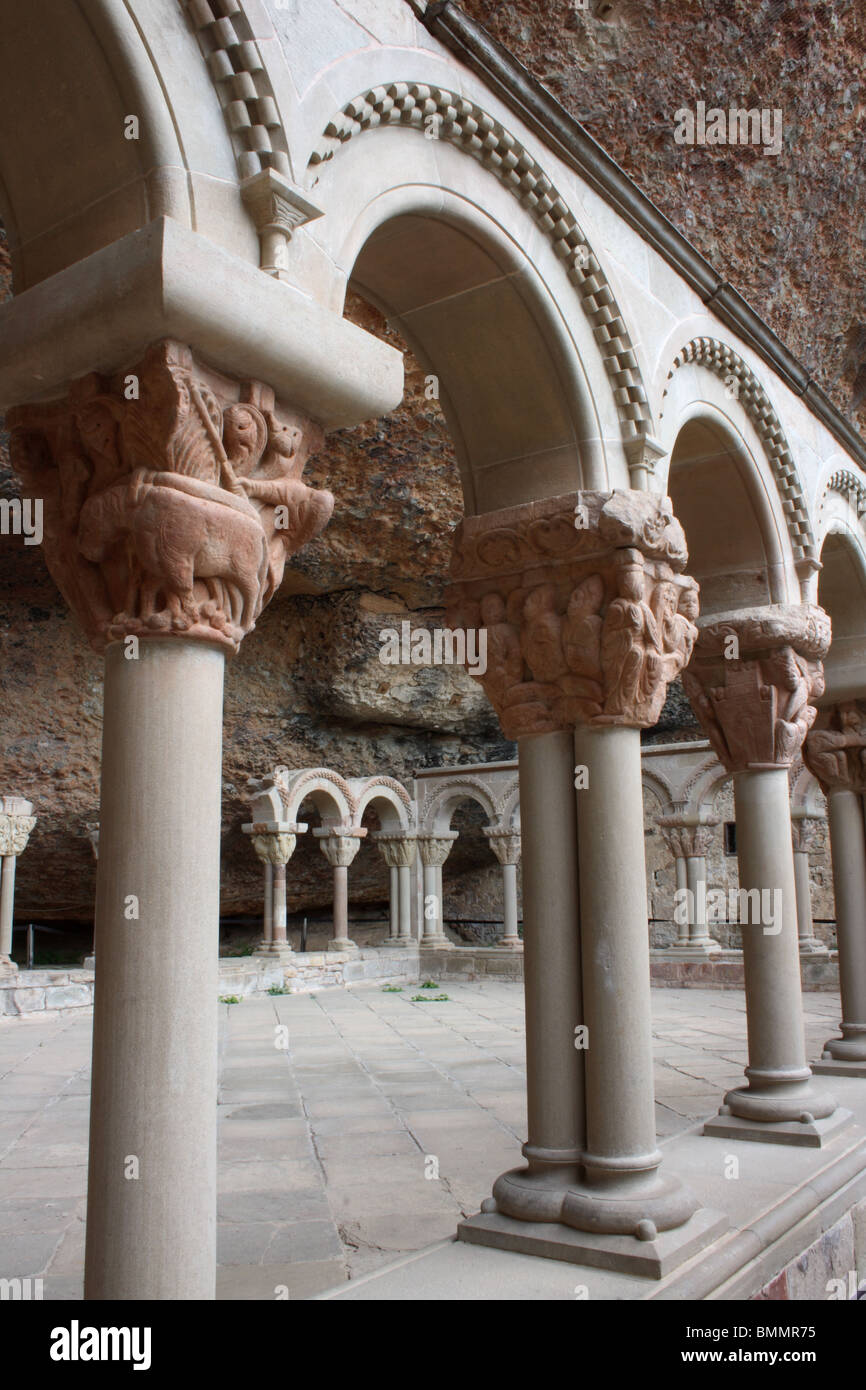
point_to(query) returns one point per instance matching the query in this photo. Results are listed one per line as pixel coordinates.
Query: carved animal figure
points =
(179, 530)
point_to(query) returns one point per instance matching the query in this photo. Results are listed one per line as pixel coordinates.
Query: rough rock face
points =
(787, 230)
(307, 687)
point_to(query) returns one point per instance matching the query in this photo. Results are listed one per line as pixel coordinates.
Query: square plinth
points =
(836, 1067)
(812, 1135)
(653, 1259)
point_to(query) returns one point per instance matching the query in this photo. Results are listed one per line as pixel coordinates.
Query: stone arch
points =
(661, 789)
(509, 807)
(465, 126)
(724, 495)
(806, 794)
(79, 71)
(389, 798)
(436, 812)
(744, 387)
(330, 793)
(703, 786)
(842, 594)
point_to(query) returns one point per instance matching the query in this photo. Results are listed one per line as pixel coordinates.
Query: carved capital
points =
(435, 849)
(398, 851)
(505, 845)
(171, 495)
(16, 823)
(750, 681)
(686, 839)
(835, 751)
(92, 828)
(587, 613)
(805, 833)
(340, 845)
(274, 849)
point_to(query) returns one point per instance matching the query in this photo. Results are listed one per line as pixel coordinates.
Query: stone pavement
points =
(380, 1124)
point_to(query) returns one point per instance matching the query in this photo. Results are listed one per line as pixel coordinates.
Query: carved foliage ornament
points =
(751, 680)
(587, 612)
(14, 833)
(836, 754)
(173, 513)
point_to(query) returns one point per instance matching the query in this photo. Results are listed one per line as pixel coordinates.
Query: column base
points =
(338, 943)
(8, 968)
(435, 943)
(651, 1259)
(696, 950)
(635, 1207)
(397, 942)
(845, 1056)
(807, 1133)
(510, 943)
(534, 1193)
(813, 949)
(89, 963)
(272, 950)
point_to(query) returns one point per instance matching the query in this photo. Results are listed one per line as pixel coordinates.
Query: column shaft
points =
(394, 902)
(7, 901)
(405, 907)
(551, 972)
(268, 925)
(779, 1079)
(279, 923)
(152, 1180)
(684, 925)
(848, 853)
(341, 903)
(510, 935)
(621, 1188)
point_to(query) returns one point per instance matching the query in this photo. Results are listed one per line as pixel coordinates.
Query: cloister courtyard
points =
(367, 1138)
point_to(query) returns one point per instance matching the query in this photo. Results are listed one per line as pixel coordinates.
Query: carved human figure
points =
(541, 634)
(504, 655)
(838, 757)
(630, 647)
(581, 638)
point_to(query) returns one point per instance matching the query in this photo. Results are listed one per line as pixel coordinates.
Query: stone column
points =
(804, 835)
(162, 487)
(434, 850)
(274, 843)
(340, 844)
(506, 846)
(92, 828)
(836, 755)
(588, 617)
(16, 823)
(398, 852)
(750, 682)
(689, 836)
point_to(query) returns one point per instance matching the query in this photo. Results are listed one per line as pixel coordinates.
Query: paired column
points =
(689, 836)
(506, 846)
(398, 852)
(805, 830)
(434, 850)
(274, 844)
(588, 617)
(340, 844)
(750, 683)
(16, 822)
(161, 530)
(836, 755)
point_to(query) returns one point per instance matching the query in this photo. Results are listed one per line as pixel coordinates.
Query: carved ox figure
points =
(179, 530)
